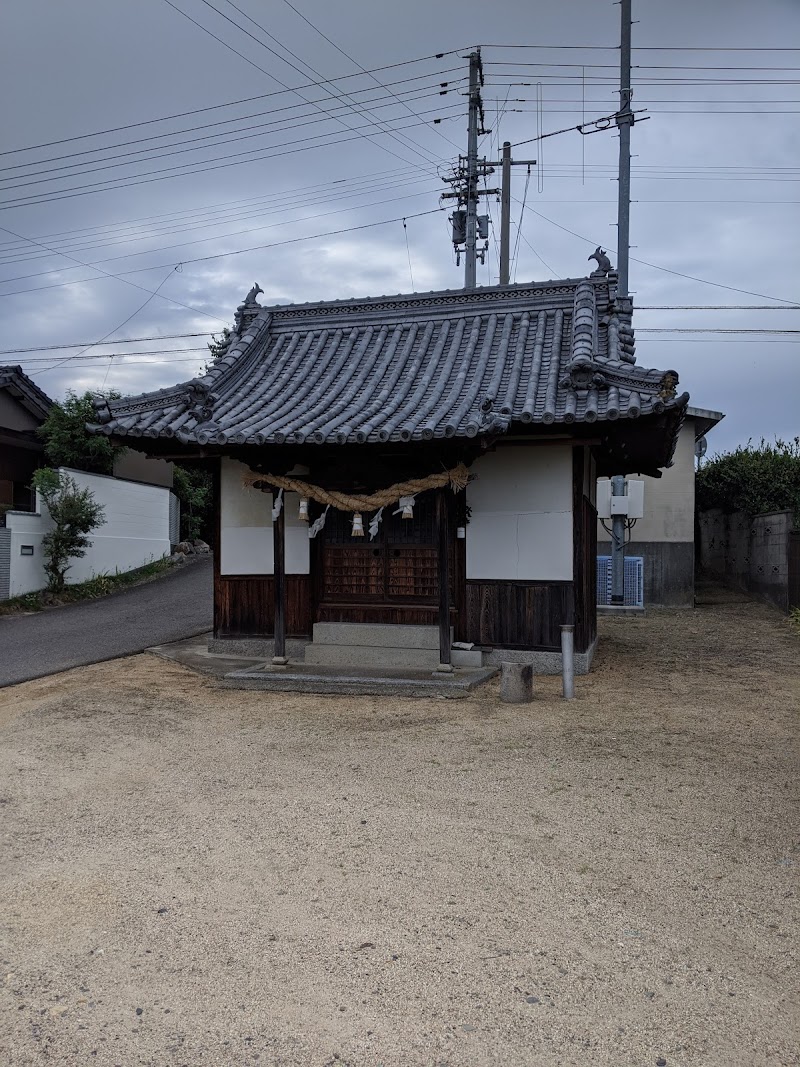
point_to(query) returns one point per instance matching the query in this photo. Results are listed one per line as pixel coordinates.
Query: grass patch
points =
(794, 620)
(92, 589)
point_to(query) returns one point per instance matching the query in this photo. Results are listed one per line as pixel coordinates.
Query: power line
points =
(124, 322)
(647, 48)
(206, 240)
(272, 51)
(233, 103)
(716, 307)
(352, 60)
(227, 233)
(417, 93)
(95, 166)
(416, 146)
(163, 175)
(90, 344)
(656, 266)
(708, 329)
(135, 285)
(220, 255)
(220, 208)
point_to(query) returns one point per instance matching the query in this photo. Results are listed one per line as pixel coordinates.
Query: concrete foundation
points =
(541, 662)
(343, 656)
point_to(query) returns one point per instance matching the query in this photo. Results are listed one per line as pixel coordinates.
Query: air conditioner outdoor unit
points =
(633, 595)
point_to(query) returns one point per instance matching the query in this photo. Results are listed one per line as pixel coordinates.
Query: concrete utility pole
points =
(505, 216)
(475, 114)
(624, 121)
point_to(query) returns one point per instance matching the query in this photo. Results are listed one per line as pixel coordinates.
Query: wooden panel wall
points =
(244, 605)
(526, 615)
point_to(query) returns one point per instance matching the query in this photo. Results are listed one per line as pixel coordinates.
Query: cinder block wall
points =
(749, 554)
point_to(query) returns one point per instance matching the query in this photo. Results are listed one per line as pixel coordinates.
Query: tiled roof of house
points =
(26, 391)
(409, 368)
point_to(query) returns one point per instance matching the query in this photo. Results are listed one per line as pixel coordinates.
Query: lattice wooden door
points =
(400, 565)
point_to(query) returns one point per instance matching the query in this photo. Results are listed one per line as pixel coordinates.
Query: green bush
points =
(67, 442)
(753, 479)
(75, 514)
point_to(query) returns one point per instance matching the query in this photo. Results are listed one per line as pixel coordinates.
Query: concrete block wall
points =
(748, 553)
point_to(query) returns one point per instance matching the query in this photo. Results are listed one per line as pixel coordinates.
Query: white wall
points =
(521, 522)
(668, 500)
(135, 532)
(246, 545)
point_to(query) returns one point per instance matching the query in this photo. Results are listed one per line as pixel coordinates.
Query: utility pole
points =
(624, 119)
(475, 112)
(468, 225)
(505, 216)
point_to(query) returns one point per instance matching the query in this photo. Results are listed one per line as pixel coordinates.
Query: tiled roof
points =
(26, 391)
(410, 368)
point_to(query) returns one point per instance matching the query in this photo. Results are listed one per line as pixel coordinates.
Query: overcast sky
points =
(715, 178)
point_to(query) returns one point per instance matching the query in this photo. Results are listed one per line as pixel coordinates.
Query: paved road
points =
(167, 609)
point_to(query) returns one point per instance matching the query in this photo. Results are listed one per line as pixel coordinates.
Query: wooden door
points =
(399, 567)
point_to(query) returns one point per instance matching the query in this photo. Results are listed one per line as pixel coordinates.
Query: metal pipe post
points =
(471, 242)
(617, 545)
(624, 120)
(568, 661)
(505, 217)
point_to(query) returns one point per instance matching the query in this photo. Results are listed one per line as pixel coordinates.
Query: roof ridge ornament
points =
(247, 311)
(603, 263)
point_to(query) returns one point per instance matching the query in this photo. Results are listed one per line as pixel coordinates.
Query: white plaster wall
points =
(246, 545)
(521, 522)
(135, 532)
(668, 500)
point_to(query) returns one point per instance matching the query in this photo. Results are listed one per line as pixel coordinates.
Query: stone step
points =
(377, 635)
(330, 655)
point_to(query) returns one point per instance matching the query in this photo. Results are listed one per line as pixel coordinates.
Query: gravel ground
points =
(195, 876)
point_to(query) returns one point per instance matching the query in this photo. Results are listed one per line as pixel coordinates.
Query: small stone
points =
(163, 911)
(139, 1011)
(533, 1000)
(469, 1029)
(363, 822)
(661, 1062)
(516, 683)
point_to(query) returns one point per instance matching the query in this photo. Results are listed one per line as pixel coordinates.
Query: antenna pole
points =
(505, 217)
(475, 110)
(624, 119)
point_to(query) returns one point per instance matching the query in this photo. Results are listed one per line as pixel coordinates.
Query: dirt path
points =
(195, 876)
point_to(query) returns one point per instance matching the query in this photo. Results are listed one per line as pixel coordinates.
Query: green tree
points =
(75, 514)
(67, 442)
(192, 486)
(752, 478)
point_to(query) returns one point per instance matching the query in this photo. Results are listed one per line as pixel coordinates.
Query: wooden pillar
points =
(443, 539)
(279, 583)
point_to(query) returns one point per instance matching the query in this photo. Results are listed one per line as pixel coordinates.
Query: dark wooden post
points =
(279, 583)
(443, 538)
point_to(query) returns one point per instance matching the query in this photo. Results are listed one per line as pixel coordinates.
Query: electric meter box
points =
(631, 505)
